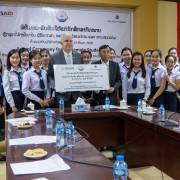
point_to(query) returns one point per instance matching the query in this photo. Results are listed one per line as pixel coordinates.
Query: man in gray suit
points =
(65, 56)
(114, 78)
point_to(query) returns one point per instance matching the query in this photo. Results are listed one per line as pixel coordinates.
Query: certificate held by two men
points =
(79, 77)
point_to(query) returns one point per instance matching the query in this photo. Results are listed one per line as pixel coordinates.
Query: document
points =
(52, 164)
(32, 140)
(81, 77)
(15, 121)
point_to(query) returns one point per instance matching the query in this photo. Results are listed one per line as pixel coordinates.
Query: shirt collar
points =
(102, 62)
(33, 69)
(67, 53)
(137, 71)
(173, 71)
(12, 69)
(159, 66)
(27, 66)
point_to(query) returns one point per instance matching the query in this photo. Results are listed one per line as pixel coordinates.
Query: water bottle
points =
(120, 168)
(48, 116)
(143, 106)
(139, 106)
(161, 113)
(59, 134)
(61, 105)
(70, 137)
(107, 103)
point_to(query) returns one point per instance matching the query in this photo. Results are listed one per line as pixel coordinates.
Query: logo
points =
(61, 16)
(116, 19)
(95, 66)
(69, 68)
(6, 13)
(81, 68)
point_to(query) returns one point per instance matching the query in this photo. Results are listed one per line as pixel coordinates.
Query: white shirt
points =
(31, 82)
(143, 85)
(70, 56)
(173, 75)
(123, 69)
(11, 83)
(159, 74)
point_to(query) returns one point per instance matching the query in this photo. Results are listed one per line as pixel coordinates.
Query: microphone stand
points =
(171, 122)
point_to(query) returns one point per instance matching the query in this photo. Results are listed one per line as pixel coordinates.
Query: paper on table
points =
(54, 163)
(32, 140)
(23, 119)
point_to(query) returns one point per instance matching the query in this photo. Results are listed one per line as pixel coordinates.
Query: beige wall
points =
(145, 17)
(167, 26)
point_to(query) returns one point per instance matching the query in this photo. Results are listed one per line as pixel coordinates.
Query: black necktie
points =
(167, 82)
(19, 79)
(2, 90)
(134, 83)
(153, 82)
(42, 86)
(126, 67)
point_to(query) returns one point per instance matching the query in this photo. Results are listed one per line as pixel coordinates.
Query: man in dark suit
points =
(114, 78)
(65, 56)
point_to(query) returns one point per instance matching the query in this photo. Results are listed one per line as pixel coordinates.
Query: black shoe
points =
(2, 157)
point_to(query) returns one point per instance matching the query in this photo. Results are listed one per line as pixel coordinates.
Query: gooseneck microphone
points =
(171, 122)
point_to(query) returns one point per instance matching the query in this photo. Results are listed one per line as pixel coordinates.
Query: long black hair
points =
(31, 56)
(8, 63)
(137, 53)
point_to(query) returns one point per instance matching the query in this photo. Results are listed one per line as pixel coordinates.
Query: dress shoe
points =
(2, 157)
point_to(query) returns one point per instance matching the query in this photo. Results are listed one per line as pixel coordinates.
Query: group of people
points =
(142, 76)
(156, 83)
(29, 76)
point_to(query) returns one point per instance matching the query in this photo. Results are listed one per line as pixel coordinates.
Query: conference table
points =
(144, 138)
(83, 152)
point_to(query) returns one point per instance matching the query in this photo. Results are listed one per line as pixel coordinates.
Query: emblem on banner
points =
(81, 68)
(61, 16)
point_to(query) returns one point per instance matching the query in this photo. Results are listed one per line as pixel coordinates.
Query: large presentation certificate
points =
(80, 77)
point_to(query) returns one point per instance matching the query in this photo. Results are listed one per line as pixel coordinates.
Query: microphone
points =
(28, 108)
(171, 122)
(40, 112)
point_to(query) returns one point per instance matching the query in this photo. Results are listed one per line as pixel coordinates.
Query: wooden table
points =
(83, 151)
(152, 142)
(147, 142)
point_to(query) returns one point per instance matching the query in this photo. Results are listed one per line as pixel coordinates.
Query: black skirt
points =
(18, 100)
(170, 101)
(159, 100)
(132, 99)
(41, 95)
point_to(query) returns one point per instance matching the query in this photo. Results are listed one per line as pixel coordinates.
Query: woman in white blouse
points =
(172, 78)
(12, 82)
(35, 85)
(136, 82)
